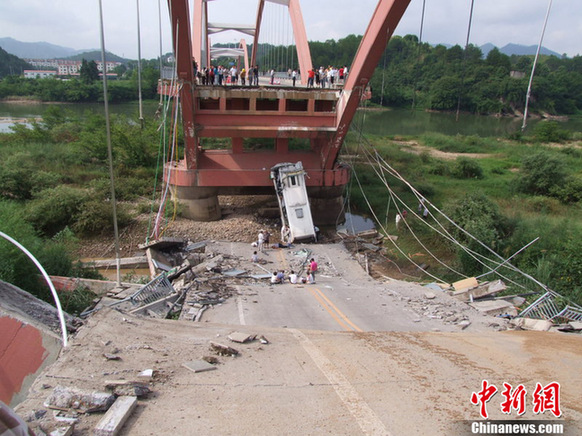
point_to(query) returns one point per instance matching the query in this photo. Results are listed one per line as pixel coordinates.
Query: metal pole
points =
(109, 151)
(464, 61)
(139, 67)
(533, 69)
(49, 283)
(161, 49)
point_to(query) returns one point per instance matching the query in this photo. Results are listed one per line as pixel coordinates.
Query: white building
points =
(39, 74)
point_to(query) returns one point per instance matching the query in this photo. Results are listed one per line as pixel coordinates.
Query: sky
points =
(76, 24)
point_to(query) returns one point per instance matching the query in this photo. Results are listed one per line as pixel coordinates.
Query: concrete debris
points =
(485, 289)
(199, 366)
(70, 417)
(241, 338)
(429, 295)
(211, 359)
(146, 374)
(63, 398)
(116, 416)
(539, 325)
(464, 324)
(63, 431)
(127, 388)
(495, 308)
(470, 282)
(223, 350)
(263, 340)
(110, 356)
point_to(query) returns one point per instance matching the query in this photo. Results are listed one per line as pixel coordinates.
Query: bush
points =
(481, 218)
(549, 131)
(570, 191)
(467, 169)
(15, 266)
(55, 208)
(540, 174)
(96, 217)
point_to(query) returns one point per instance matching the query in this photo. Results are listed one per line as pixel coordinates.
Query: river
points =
(384, 122)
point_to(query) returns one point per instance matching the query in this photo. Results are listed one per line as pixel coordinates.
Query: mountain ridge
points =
(45, 50)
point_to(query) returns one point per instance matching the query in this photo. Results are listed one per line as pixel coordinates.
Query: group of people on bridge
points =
(219, 76)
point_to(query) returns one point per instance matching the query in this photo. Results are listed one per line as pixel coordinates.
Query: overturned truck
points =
(296, 220)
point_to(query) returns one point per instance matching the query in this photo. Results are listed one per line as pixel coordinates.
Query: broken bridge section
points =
(264, 125)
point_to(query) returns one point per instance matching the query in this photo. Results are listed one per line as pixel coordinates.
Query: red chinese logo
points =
(547, 398)
(483, 396)
(544, 398)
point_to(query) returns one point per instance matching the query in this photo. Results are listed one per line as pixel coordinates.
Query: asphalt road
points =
(344, 297)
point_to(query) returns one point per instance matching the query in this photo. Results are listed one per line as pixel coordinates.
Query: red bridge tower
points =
(318, 118)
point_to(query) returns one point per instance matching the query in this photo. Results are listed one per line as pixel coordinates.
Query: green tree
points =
(88, 72)
(540, 173)
(481, 218)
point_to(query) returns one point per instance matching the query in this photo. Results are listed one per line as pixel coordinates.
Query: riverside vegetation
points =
(54, 190)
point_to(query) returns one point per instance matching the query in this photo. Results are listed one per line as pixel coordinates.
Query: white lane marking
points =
(241, 315)
(360, 410)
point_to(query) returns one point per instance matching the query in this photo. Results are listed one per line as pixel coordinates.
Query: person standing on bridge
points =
(294, 77)
(311, 270)
(261, 241)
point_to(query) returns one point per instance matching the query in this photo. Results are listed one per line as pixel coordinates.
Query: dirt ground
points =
(310, 382)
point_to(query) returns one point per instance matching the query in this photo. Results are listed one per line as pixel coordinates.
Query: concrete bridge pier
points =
(326, 204)
(201, 203)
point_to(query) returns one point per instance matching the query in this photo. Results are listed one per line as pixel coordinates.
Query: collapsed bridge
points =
(298, 124)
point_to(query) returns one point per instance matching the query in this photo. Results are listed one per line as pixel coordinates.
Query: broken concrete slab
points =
(223, 350)
(64, 398)
(371, 247)
(234, 272)
(125, 262)
(63, 431)
(470, 282)
(480, 291)
(116, 416)
(127, 388)
(241, 338)
(495, 307)
(540, 325)
(146, 374)
(199, 366)
(196, 246)
(165, 243)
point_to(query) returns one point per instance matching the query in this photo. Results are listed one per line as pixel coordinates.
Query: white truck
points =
(296, 220)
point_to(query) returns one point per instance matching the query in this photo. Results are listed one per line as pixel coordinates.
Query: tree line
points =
(409, 74)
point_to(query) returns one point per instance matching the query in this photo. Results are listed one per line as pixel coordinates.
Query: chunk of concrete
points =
(540, 325)
(495, 307)
(199, 366)
(116, 416)
(470, 282)
(63, 398)
(241, 338)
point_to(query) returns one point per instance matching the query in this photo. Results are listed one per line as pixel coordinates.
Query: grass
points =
(556, 224)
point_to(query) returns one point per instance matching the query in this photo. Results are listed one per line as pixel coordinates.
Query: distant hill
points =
(35, 50)
(95, 55)
(10, 64)
(44, 50)
(518, 50)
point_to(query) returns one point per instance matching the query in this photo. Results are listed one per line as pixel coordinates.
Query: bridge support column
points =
(201, 204)
(326, 205)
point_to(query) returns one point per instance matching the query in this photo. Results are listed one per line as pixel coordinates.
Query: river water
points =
(384, 122)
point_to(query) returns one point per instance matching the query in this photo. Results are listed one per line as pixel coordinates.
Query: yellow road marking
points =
(328, 309)
(332, 309)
